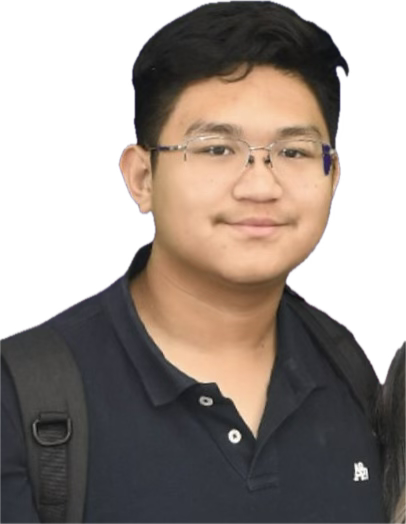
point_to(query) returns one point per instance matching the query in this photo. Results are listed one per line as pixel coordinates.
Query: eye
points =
(298, 149)
(215, 147)
(294, 153)
(216, 150)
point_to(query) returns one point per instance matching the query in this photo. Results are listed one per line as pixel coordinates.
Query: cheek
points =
(184, 203)
(315, 204)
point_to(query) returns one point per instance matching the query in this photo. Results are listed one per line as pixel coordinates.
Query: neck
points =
(198, 312)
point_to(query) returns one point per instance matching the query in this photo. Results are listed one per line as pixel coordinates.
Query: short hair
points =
(392, 431)
(217, 39)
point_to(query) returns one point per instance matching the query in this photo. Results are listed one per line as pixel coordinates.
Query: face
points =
(210, 223)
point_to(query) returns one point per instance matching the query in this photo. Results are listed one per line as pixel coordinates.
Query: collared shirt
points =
(166, 448)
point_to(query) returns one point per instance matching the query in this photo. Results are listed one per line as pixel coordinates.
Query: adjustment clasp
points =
(52, 429)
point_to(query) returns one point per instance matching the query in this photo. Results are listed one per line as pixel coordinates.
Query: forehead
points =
(261, 103)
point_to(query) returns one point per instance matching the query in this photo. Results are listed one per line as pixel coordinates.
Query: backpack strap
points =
(52, 401)
(343, 352)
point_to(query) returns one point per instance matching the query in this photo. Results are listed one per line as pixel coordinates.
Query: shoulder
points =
(327, 330)
(79, 316)
(341, 349)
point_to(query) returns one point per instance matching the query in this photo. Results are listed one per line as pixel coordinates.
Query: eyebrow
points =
(234, 131)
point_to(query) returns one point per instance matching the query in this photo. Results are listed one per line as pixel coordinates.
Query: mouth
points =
(257, 231)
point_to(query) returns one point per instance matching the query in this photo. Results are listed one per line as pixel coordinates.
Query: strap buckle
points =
(52, 429)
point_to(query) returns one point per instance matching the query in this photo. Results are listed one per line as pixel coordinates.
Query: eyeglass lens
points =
(291, 158)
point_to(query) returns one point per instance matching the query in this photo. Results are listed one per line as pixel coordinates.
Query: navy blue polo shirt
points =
(166, 448)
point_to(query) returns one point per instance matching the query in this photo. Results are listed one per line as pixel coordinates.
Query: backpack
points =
(53, 407)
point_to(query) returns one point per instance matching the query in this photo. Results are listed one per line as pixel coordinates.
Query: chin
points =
(252, 276)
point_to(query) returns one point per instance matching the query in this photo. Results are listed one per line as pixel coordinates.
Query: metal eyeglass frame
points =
(327, 151)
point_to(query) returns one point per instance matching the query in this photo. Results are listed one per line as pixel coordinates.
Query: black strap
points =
(53, 431)
(53, 408)
(341, 348)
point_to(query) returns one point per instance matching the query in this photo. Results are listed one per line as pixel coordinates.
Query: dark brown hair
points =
(392, 422)
(216, 40)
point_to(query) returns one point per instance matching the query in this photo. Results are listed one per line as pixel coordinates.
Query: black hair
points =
(392, 430)
(216, 40)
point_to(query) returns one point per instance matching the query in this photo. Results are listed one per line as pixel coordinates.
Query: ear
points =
(135, 166)
(335, 172)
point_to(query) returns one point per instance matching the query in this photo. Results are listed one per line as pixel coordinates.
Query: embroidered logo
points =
(360, 472)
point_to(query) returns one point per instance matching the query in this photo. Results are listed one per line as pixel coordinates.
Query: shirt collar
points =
(162, 380)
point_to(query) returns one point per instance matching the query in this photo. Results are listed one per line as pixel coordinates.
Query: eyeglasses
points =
(292, 158)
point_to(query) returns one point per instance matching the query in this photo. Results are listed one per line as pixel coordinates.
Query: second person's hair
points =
(392, 418)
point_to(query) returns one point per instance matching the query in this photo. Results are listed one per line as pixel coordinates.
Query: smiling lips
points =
(257, 222)
(256, 226)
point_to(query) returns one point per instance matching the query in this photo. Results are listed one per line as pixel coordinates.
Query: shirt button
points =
(206, 401)
(234, 436)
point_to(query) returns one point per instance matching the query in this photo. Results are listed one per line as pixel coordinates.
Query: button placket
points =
(221, 419)
(234, 435)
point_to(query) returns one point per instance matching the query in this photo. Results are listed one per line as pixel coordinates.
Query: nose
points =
(258, 183)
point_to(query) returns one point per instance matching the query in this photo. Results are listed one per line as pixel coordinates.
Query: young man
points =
(209, 398)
